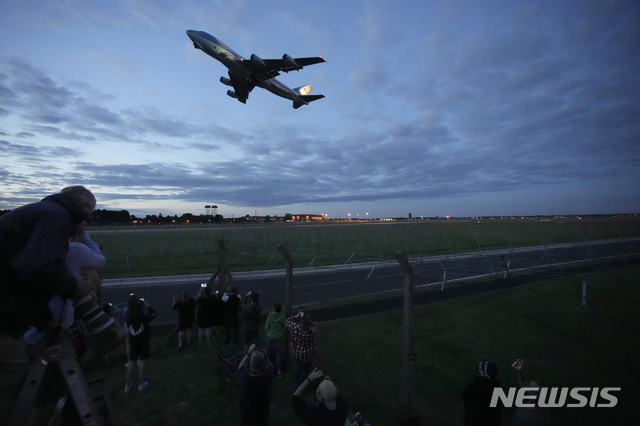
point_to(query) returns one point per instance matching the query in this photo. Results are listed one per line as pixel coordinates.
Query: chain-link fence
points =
(340, 263)
(152, 251)
(561, 294)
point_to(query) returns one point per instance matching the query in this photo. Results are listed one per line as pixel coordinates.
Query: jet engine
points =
(257, 59)
(235, 96)
(225, 80)
(289, 61)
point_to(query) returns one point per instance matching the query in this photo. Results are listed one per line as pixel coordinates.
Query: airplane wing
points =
(264, 69)
(292, 64)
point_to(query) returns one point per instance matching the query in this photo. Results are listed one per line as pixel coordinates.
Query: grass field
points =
(562, 342)
(164, 250)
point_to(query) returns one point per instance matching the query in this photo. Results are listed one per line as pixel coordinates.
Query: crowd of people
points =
(221, 315)
(315, 398)
(45, 293)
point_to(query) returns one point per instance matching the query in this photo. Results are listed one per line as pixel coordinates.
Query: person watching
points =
(328, 407)
(302, 332)
(256, 376)
(34, 241)
(476, 397)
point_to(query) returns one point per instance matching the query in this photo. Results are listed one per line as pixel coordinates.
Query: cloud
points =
(429, 101)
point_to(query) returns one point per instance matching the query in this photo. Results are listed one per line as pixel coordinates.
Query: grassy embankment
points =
(153, 251)
(562, 342)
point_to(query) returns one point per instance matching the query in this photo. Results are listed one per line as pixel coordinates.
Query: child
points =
(130, 308)
(139, 342)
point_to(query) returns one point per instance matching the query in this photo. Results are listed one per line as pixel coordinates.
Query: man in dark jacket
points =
(251, 312)
(256, 376)
(476, 397)
(231, 316)
(34, 241)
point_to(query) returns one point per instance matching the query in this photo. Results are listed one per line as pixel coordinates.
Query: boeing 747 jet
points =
(245, 74)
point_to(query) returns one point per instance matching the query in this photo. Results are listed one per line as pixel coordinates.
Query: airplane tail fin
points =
(305, 100)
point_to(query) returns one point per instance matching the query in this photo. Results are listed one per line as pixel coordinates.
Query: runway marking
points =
(321, 284)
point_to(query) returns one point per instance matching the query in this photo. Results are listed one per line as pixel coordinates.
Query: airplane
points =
(245, 74)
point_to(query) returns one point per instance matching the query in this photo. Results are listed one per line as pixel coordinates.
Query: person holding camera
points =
(529, 416)
(85, 254)
(34, 242)
(302, 332)
(476, 397)
(205, 305)
(251, 311)
(232, 314)
(186, 308)
(218, 316)
(328, 408)
(256, 376)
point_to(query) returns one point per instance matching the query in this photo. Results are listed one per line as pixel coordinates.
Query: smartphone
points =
(203, 285)
(142, 299)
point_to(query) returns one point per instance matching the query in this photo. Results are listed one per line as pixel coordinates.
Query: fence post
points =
(407, 353)
(223, 270)
(288, 289)
(506, 263)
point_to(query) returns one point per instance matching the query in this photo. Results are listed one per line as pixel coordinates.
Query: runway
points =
(320, 284)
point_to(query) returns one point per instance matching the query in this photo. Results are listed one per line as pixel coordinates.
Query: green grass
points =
(165, 250)
(562, 342)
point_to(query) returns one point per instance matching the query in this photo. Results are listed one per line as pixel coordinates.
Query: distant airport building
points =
(306, 217)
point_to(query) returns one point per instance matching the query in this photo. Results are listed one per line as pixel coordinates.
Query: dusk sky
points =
(434, 108)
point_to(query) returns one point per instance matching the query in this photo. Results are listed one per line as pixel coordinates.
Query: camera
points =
(101, 327)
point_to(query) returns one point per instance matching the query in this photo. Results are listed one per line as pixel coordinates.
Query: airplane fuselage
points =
(230, 59)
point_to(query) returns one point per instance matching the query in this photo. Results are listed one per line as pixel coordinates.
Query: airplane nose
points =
(193, 36)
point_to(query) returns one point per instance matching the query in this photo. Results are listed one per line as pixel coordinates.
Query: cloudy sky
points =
(434, 108)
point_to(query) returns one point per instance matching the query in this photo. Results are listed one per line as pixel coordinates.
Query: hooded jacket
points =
(274, 326)
(34, 241)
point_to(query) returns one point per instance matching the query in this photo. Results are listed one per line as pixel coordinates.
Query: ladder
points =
(62, 357)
